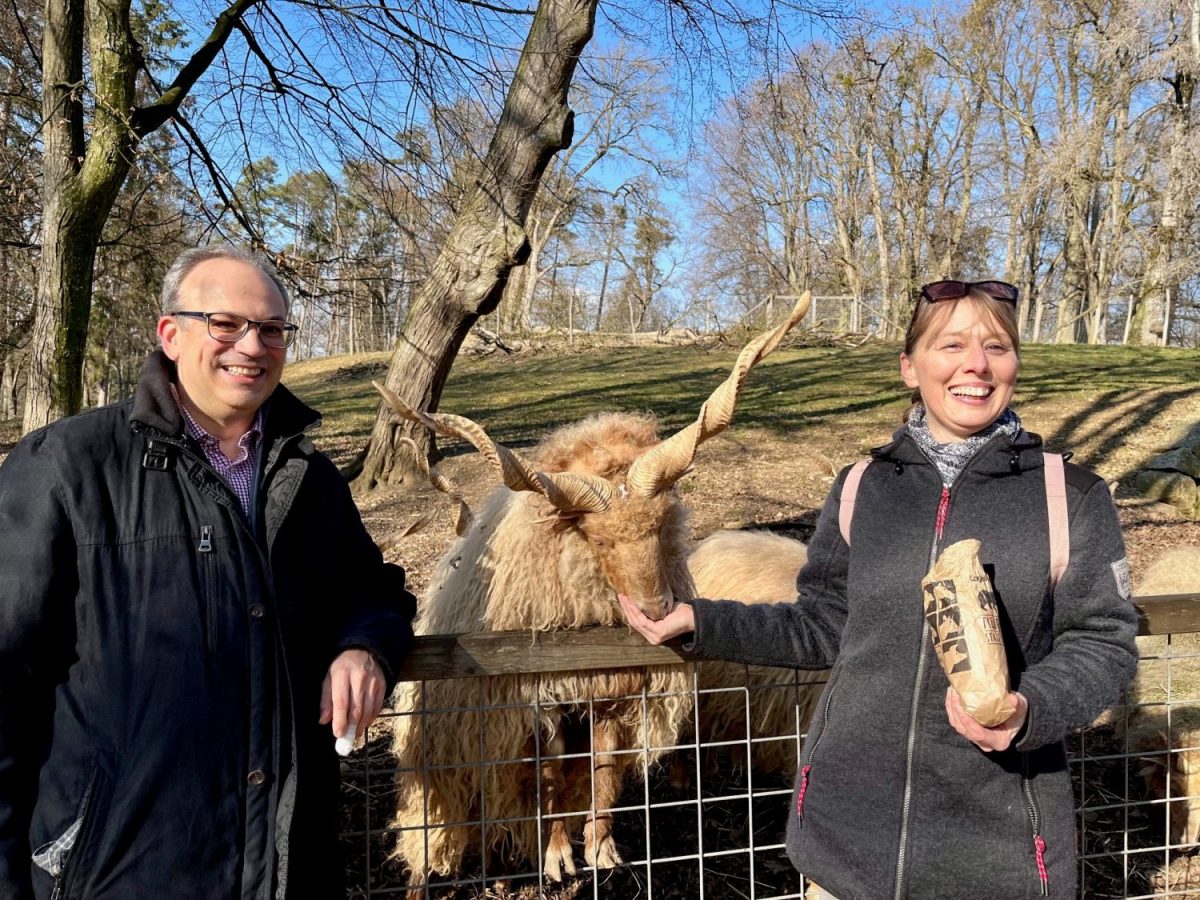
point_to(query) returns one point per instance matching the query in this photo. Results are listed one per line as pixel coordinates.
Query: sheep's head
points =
(1167, 743)
(633, 540)
(623, 502)
(637, 542)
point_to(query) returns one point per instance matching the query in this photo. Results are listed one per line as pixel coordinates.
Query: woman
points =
(900, 792)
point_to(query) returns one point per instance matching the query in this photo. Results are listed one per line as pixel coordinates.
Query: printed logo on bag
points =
(945, 621)
(1120, 571)
(990, 620)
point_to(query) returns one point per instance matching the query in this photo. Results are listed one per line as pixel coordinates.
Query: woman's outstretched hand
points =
(678, 621)
(998, 737)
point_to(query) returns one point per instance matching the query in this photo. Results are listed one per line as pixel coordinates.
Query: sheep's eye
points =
(599, 541)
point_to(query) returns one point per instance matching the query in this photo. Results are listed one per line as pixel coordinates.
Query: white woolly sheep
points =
(753, 567)
(1168, 750)
(1168, 741)
(595, 516)
(1176, 571)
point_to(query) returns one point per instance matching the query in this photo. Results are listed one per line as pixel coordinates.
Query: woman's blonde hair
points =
(929, 314)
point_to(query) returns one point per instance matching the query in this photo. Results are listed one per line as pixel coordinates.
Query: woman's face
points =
(965, 367)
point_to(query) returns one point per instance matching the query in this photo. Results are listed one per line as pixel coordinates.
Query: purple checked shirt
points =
(237, 473)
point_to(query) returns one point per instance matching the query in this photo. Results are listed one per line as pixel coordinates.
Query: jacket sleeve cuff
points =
(1040, 726)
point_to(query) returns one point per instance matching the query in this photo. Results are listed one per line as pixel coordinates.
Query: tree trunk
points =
(610, 243)
(1074, 300)
(8, 387)
(82, 177)
(1152, 310)
(488, 237)
(881, 246)
(78, 191)
(533, 275)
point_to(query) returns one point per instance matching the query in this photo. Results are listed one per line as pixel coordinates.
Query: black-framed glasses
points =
(230, 328)
(956, 290)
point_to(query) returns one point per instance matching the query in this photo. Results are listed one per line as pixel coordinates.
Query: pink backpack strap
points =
(849, 493)
(1056, 509)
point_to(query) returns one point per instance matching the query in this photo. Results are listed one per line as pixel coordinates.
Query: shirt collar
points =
(247, 442)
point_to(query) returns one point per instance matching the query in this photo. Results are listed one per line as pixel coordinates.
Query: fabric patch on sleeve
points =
(1120, 570)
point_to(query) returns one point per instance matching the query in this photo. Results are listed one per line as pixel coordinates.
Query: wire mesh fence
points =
(506, 770)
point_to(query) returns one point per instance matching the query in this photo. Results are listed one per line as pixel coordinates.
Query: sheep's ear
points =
(563, 520)
(420, 524)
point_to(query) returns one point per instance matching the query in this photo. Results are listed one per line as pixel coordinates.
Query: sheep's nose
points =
(656, 606)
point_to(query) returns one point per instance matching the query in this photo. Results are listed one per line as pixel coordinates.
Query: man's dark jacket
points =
(161, 658)
(890, 801)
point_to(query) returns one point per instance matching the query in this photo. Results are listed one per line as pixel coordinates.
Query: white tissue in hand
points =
(345, 743)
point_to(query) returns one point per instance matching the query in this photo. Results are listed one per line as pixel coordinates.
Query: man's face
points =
(225, 383)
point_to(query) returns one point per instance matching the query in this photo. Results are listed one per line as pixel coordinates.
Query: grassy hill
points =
(1111, 405)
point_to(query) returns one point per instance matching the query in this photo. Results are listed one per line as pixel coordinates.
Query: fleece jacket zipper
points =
(901, 855)
(943, 511)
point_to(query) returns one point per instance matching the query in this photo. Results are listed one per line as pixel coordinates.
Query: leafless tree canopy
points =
(715, 160)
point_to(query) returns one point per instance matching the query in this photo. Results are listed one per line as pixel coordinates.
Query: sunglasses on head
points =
(956, 290)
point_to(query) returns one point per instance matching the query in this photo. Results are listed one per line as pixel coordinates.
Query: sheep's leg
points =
(599, 848)
(559, 857)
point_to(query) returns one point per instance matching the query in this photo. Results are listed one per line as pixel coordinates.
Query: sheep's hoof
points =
(559, 858)
(602, 854)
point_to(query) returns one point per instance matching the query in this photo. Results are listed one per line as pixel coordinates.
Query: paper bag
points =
(964, 623)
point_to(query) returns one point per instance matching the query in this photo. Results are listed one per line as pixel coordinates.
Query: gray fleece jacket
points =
(890, 801)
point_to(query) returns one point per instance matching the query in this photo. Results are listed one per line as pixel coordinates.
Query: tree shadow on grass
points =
(1113, 429)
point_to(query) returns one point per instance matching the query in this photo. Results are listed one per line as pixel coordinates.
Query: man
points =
(190, 612)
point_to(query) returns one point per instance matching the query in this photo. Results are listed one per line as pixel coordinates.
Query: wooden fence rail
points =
(515, 652)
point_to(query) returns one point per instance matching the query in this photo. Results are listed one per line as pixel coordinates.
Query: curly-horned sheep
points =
(776, 704)
(480, 760)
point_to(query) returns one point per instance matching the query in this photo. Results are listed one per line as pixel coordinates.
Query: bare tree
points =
(621, 104)
(89, 148)
(1180, 185)
(488, 238)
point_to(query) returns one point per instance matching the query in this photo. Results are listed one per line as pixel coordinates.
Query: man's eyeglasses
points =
(230, 328)
(956, 290)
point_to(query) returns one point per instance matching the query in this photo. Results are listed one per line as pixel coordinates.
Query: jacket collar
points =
(995, 458)
(155, 407)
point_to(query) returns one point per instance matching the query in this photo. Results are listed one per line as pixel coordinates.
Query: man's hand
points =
(680, 620)
(998, 737)
(353, 692)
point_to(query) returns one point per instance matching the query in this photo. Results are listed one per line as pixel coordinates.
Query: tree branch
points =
(148, 118)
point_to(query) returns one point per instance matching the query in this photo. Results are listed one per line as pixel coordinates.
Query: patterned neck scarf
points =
(953, 457)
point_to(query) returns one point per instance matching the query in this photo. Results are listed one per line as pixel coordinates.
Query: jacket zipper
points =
(71, 863)
(1035, 820)
(812, 754)
(208, 573)
(939, 527)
